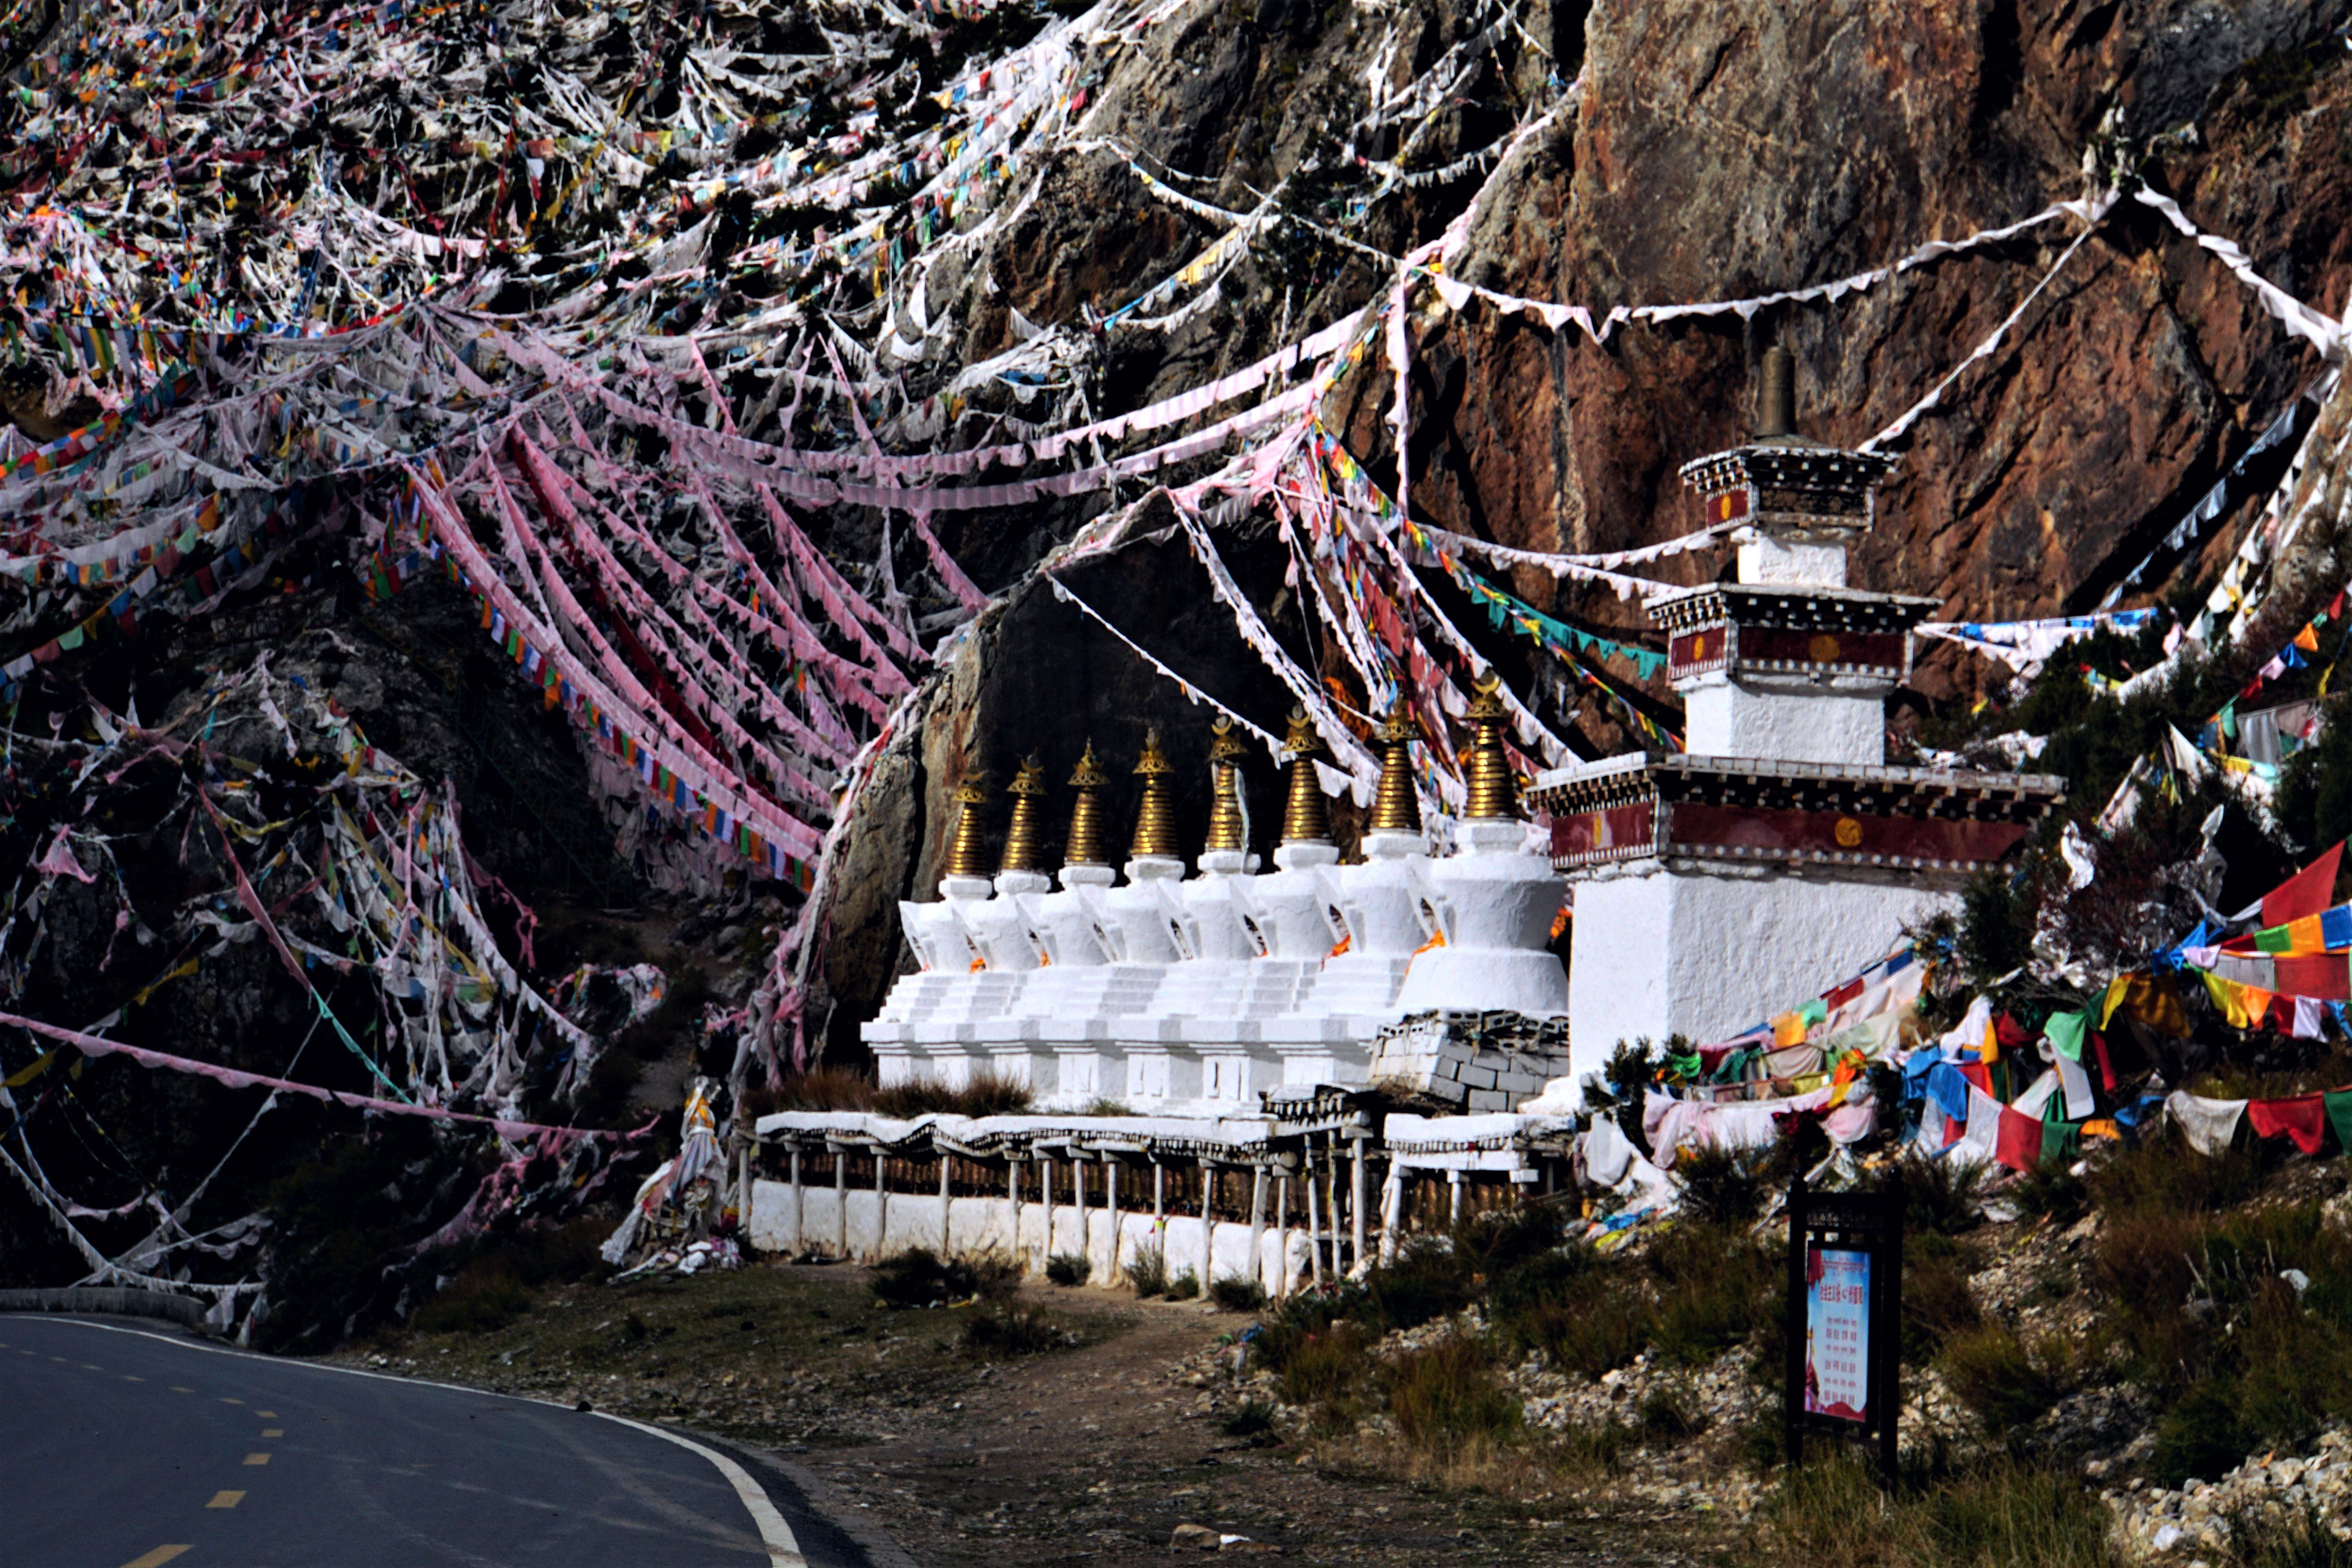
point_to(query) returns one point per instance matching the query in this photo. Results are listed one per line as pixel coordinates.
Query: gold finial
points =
(1306, 817)
(965, 852)
(1155, 816)
(1027, 789)
(1086, 847)
(1492, 791)
(1396, 808)
(1227, 828)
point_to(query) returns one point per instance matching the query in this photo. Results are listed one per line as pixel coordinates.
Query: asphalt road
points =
(131, 1446)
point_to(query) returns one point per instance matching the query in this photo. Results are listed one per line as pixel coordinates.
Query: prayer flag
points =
(2019, 1144)
(2303, 1119)
(2305, 893)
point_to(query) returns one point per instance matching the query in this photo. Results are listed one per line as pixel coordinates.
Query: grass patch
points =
(1444, 1393)
(920, 1278)
(1942, 1197)
(1002, 1329)
(1069, 1268)
(1234, 1293)
(2006, 1384)
(1147, 1271)
(487, 1296)
(984, 1094)
(1936, 1306)
(1998, 1515)
(2302, 1538)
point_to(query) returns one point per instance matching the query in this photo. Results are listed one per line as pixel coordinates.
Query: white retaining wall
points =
(881, 1224)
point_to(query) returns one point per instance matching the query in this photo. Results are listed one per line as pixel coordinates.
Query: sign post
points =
(1845, 1296)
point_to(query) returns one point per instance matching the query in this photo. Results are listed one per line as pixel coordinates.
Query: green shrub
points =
(1184, 1287)
(1147, 1271)
(1719, 1187)
(1940, 1198)
(1712, 1289)
(1446, 1393)
(920, 1278)
(1236, 1293)
(2051, 1191)
(1329, 1366)
(1427, 1280)
(2001, 1514)
(1004, 1329)
(1069, 1268)
(485, 1296)
(984, 1094)
(1994, 1374)
(1667, 1417)
(2305, 1539)
(2199, 1435)
(1936, 1306)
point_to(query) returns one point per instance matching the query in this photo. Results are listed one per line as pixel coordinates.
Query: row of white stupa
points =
(1168, 994)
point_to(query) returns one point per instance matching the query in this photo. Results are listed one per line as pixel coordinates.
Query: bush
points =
(919, 1277)
(1992, 1373)
(2301, 1540)
(1252, 1420)
(1713, 1288)
(1147, 1270)
(1668, 1418)
(1999, 1513)
(1446, 1393)
(1069, 1268)
(1184, 1287)
(2051, 1191)
(1330, 1366)
(485, 1296)
(1941, 1196)
(819, 1088)
(1004, 1329)
(1719, 1187)
(1428, 1280)
(984, 1094)
(1937, 1307)
(1234, 1293)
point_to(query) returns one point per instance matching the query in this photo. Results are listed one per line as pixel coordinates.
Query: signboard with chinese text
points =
(1845, 1284)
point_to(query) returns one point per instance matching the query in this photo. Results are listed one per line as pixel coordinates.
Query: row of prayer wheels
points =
(1491, 794)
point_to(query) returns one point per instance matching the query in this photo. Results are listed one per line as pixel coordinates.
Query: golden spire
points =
(1305, 818)
(1155, 817)
(1227, 750)
(966, 855)
(1022, 851)
(1493, 793)
(1396, 808)
(1086, 846)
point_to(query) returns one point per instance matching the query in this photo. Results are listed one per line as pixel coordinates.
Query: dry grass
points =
(1998, 1515)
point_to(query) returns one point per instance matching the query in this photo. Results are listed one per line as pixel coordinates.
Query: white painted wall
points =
(1805, 723)
(984, 1226)
(1707, 953)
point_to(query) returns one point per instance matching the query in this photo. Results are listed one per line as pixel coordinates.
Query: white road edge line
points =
(784, 1547)
(783, 1550)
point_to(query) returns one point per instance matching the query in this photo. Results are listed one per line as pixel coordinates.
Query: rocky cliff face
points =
(1716, 154)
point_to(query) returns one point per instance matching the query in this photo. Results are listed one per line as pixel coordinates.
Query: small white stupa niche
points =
(1202, 995)
(1779, 852)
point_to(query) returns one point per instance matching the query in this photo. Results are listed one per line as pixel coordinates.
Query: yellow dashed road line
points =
(155, 1559)
(225, 1399)
(132, 1377)
(273, 1431)
(225, 1500)
(256, 1458)
(177, 1389)
(266, 1414)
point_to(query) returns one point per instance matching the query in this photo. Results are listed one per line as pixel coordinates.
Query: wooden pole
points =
(841, 1200)
(1314, 1227)
(1356, 1206)
(946, 1197)
(1208, 1222)
(1281, 1235)
(1046, 1190)
(881, 1204)
(1012, 1171)
(1257, 1226)
(1110, 1201)
(800, 1206)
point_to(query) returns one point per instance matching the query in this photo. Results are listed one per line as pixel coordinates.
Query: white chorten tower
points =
(1779, 854)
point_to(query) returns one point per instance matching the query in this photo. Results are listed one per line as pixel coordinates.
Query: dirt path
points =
(1095, 1452)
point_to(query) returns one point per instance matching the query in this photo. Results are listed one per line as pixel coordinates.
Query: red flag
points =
(2305, 893)
(2020, 1144)
(2323, 975)
(2303, 1119)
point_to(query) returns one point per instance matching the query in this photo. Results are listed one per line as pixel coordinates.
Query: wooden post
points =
(1110, 1201)
(1012, 1177)
(1314, 1227)
(1078, 1202)
(1391, 1211)
(946, 1197)
(1208, 1222)
(1257, 1226)
(1281, 1235)
(1453, 1197)
(1046, 1190)
(800, 1206)
(881, 1204)
(841, 1200)
(1356, 1207)
(1332, 1198)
